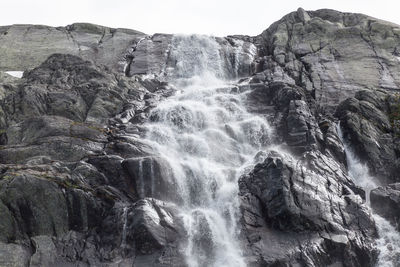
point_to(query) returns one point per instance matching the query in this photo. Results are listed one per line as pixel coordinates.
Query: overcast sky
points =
(216, 17)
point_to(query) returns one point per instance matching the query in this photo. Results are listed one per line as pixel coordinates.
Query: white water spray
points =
(207, 137)
(124, 226)
(389, 238)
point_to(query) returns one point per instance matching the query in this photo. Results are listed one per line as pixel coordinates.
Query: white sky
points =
(216, 17)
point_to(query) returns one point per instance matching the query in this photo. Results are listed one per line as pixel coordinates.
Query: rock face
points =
(370, 122)
(305, 202)
(153, 54)
(80, 185)
(323, 50)
(61, 186)
(24, 47)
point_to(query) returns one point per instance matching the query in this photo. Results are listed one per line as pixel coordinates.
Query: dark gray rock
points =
(148, 231)
(60, 193)
(68, 86)
(312, 47)
(154, 225)
(294, 114)
(293, 210)
(155, 55)
(302, 129)
(14, 255)
(63, 220)
(36, 205)
(44, 251)
(152, 177)
(386, 202)
(368, 123)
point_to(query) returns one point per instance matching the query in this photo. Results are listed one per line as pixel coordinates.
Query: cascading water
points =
(389, 254)
(207, 137)
(124, 225)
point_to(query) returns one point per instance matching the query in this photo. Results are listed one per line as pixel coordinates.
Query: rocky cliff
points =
(114, 151)
(24, 47)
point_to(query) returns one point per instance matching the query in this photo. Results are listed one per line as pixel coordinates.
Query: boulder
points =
(306, 206)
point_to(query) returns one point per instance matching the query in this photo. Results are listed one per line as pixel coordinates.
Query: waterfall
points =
(124, 226)
(389, 254)
(208, 138)
(140, 180)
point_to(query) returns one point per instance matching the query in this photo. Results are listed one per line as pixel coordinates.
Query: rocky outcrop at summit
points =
(23, 47)
(332, 54)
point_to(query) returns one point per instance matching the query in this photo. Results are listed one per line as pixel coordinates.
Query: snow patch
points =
(17, 74)
(84, 48)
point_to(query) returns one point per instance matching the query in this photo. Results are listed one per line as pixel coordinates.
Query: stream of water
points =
(389, 252)
(207, 137)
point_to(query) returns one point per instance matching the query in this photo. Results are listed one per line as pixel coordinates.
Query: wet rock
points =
(386, 202)
(270, 71)
(37, 206)
(272, 101)
(32, 130)
(148, 230)
(331, 140)
(154, 226)
(44, 252)
(65, 132)
(290, 109)
(305, 205)
(84, 211)
(149, 55)
(7, 224)
(14, 255)
(302, 130)
(367, 123)
(67, 86)
(152, 177)
(111, 167)
(152, 55)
